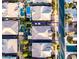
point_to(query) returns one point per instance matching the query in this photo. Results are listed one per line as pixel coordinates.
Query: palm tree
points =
(22, 20)
(66, 5)
(55, 5)
(70, 5)
(56, 46)
(24, 42)
(25, 48)
(70, 39)
(25, 54)
(68, 18)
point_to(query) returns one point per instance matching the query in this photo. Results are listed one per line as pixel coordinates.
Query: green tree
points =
(70, 39)
(68, 17)
(24, 42)
(25, 54)
(66, 5)
(70, 5)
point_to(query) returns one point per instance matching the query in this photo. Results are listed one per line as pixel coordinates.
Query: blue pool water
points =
(71, 48)
(28, 11)
(22, 12)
